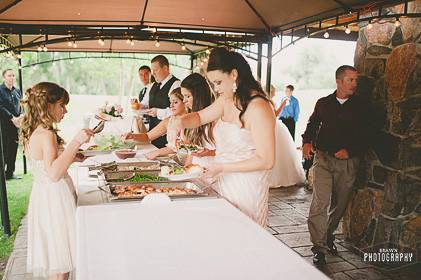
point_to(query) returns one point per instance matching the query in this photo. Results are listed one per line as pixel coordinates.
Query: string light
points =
(397, 22)
(101, 41)
(347, 30)
(205, 59)
(370, 25)
(183, 47)
(74, 45)
(69, 44)
(207, 51)
(39, 49)
(128, 41)
(157, 44)
(131, 43)
(326, 35)
(45, 48)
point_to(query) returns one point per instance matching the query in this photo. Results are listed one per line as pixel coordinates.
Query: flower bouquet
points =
(108, 111)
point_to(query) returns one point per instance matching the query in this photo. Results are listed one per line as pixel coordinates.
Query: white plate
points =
(182, 177)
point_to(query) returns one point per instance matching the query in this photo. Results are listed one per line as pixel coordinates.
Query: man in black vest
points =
(10, 112)
(159, 101)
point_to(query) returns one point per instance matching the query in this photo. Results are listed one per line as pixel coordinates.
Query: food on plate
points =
(178, 170)
(142, 177)
(194, 169)
(93, 148)
(191, 148)
(143, 190)
(111, 142)
(125, 153)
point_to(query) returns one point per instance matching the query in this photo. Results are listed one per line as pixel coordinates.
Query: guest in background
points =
(338, 130)
(10, 116)
(290, 110)
(159, 101)
(147, 80)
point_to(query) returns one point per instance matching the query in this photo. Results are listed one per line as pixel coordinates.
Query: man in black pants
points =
(339, 130)
(159, 101)
(10, 111)
(290, 111)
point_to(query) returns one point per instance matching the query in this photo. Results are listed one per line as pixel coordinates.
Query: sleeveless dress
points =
(51, 224)
(288, 169)
(248, 191)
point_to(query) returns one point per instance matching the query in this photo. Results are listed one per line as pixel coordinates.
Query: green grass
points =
(18, 192)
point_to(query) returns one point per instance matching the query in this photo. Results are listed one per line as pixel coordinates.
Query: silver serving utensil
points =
(99, 127)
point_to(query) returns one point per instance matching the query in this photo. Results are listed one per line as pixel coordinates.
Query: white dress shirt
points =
(165, 113)
(145, 100)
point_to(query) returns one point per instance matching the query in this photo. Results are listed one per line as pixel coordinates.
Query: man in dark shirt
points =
(10, 111)
(337, 129)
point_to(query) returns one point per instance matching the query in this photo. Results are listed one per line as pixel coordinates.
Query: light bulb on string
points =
(326, 35)
(370, 25)
(347, 30)
(69, 44)
(397, 22)
(157, 44)
(205, 59)
(101, 41)
(128, 41)
(207, 51)
(45, 48)
(201, 63)
(74, 45)
(131, 43)
(183, 47)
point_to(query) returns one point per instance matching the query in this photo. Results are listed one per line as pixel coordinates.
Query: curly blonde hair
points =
(36, 113)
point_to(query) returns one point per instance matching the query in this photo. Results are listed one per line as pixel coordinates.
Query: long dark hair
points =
(202, 98)
(248, 87)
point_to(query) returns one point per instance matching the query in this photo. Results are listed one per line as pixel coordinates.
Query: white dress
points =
(248, 191)
(288, 169)
(51, 224)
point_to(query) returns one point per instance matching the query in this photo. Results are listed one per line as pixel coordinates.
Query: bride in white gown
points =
(244, 133)
(52, 204)
(288, 169)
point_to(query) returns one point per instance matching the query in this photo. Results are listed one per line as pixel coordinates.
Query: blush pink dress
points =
(248, 191)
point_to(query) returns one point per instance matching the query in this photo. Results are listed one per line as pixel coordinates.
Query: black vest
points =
(158, 98)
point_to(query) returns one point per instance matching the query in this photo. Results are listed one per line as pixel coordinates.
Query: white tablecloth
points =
(206, 238)
(184, 239)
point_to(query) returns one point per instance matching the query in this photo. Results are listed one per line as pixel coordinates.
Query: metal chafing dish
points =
(137, 191)
(127, 166)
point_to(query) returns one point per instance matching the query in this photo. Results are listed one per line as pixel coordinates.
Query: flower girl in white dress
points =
(52, 205)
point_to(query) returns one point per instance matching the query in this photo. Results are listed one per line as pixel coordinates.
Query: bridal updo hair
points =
(36, 113)
(248, 87)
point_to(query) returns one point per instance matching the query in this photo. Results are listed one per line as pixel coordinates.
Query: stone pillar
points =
(385, 211)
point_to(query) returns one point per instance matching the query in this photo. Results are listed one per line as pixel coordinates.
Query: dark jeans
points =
(290, 124)
(10, 147)
(160, 142)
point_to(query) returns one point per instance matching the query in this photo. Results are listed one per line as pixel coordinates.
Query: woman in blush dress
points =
(244, 133)
(52, 205)
(197, 96)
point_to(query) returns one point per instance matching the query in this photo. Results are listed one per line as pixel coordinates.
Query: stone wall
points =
(387, 206)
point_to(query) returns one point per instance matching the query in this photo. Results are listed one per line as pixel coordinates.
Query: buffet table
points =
(203, 238)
